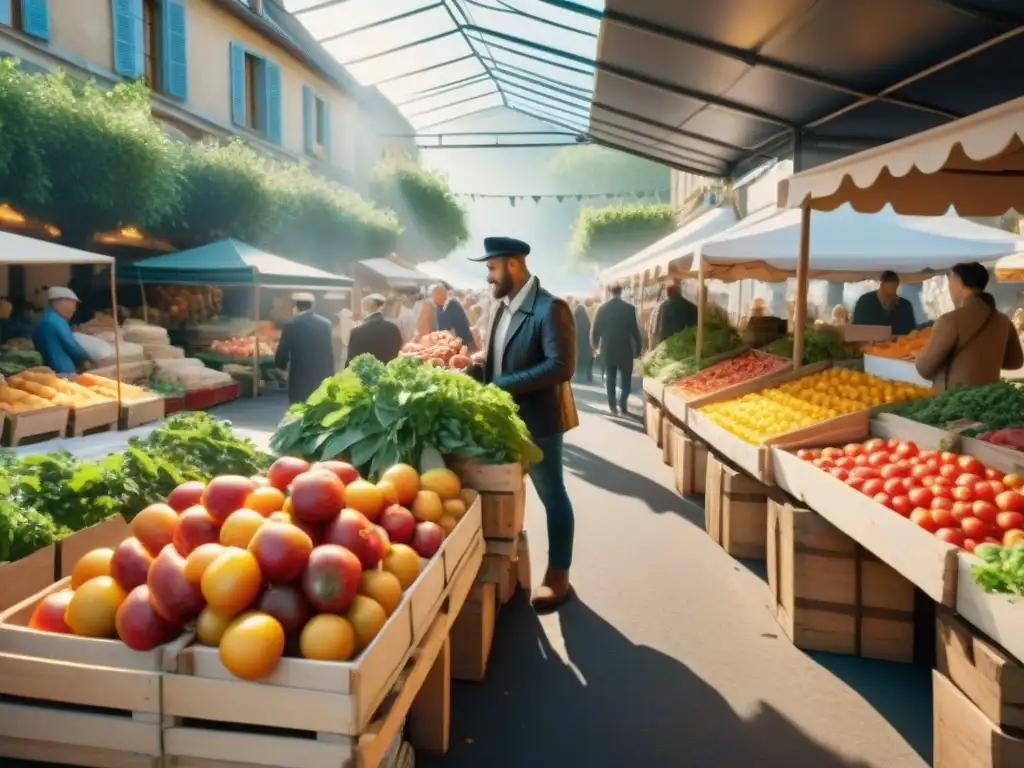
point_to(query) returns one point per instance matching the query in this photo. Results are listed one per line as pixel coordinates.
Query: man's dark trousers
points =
(625, 375)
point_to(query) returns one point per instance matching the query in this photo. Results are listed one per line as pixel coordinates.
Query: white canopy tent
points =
(674, 250)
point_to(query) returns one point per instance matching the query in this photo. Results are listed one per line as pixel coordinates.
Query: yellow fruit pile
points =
(32, 390)
(805, 401)
(108, 388)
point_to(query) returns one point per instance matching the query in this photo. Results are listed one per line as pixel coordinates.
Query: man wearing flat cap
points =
(376, 335)
(531, 354)
(306, 349)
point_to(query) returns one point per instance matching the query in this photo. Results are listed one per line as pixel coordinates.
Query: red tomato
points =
(894, 470)
(892, 444)
(920, 497)
(920, 471)
(983, 491)
(994, 474)
(973, 528)
(853, 449)
(1010, 501)
(1010, 521)
(913, 461)
(861, 460)
(942, 482)
(806, 454)
(943, 517)
(906, 450)
(949, 472)
(884, 499)
(845, 462)
(941, 502)
(968, 480)
(962, 493)
(911, 482)
(970, 465)
(901, 505)
(878, 459)
(961, 509)
(927, 454)
(823, 463)
(985, 511)
(875, 444)
(872, 486)
(839, 474)
(923, 518)
(970, 544)
(894, 486)
(832, 453)
(929, 481)
(866, 472)
(951, 536)
(942, 492)
(855, 482)
(947, 458)
(997, 487)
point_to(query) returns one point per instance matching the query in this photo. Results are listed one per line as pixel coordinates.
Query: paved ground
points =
(669, 656)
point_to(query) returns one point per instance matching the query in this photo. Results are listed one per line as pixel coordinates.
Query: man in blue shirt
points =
(450, 316)
(52, 335)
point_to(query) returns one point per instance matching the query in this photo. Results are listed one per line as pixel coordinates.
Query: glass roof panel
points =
(414, 49)
(569, 119)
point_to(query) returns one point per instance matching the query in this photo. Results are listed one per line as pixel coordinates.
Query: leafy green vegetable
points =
(995, 405)
(819, 344)
(719, 337)
(1002, 569)
(377, 415)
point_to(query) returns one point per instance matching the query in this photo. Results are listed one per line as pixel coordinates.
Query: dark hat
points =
(496, 247)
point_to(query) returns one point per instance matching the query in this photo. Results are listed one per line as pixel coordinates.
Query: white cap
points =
(306, 297)
(60, 292)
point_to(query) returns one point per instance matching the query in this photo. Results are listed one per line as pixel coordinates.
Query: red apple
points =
(138, 624)
(195, 527)
(48, 615)
(286, 603)
(284, 470)
(399, 523)
(427, 539)
(353, 531)
(331, 578)
(186, 495)
(341, 469)
(172, 595)
(130, 564)
(316, 496)
(281, 550)
(226, 494)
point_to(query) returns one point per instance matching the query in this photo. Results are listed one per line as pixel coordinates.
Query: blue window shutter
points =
(5, 12)
(238, 100)
(308, 116)
(327, 128)
(36, 18)
(272, 101)
(174, 50)
(128, 45)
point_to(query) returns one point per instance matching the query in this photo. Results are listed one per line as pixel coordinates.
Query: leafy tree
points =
(608, 235)
(433, 220)
(595, 169)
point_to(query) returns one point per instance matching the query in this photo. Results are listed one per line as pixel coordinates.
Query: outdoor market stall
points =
(230, 263)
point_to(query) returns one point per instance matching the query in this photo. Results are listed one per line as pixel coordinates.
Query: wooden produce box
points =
(683, 399)
(1000, 617)
(863, 334)
(472, 633)
(35, 426)
(653, 389)
(109, 533)
(28, 576)
(487, 478)
(502, 492)
(735, 510)
(90, 419)
(927, 561)
(139, 412)
(893, 369)
(501, 568)
(653, 416)
(336, 713)
(925, 437)
(829, 594)
(964, 736)
(76, 700)
(990, 678)
(667, 438)
(690, 464)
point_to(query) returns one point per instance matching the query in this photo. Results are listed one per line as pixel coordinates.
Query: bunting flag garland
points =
(656, 196)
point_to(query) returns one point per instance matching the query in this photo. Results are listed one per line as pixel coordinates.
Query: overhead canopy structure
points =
(440, 60)
(21, 250)
(395, 275)
(850, 246)
(230, 262)
(975, 164)
(749, 79)
(675, 250)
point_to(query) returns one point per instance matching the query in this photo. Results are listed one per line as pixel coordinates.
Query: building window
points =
(253, 88)
(321, 126)
(151, 44)
(255, 92)
(29, 16)
(316, 123)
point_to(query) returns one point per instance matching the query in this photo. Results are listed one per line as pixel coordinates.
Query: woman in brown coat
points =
(974, 343)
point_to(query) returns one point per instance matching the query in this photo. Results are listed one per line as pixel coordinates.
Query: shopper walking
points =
(376, 335)
(616, 333)
(531, 354)
(584, 353)
(306, 349)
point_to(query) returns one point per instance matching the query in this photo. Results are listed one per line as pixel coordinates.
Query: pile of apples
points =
(308, 561)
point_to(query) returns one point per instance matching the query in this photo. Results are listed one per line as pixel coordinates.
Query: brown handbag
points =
(948, 364)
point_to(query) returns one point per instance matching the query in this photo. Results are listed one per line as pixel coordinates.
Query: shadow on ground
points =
(620, 481)
(613, 704)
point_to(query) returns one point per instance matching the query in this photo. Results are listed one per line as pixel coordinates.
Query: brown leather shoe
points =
(554, 591)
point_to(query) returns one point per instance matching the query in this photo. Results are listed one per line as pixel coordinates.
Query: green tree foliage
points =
(433, 220)
(608, 235)
(594, 169)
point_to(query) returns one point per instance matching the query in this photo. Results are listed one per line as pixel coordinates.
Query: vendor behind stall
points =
(886, 307)
(52, 336)
(972, 344)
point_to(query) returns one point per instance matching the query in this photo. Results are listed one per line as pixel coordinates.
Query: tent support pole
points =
(117, 334)
(800, 315)
(701, 302)
(256, 340)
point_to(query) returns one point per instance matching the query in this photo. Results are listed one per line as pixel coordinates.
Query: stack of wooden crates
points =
(506, 565)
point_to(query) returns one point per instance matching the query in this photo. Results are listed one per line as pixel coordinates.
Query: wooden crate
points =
(735, 510)
(990, 678)
(999, 617)
(965, 737)
(487, 478)
(653, 415)
(76, 700)
(829, 594)
(109, 533)
(667, 438)
(335, 714)
(26, 577)
(35, 426)
(690, 464)
(139, 412)
(472, 633)
(91, 419)
(501, 568)
(503, 513)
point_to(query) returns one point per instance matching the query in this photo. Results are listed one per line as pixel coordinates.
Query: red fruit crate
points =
(175, 404)
(200, 399)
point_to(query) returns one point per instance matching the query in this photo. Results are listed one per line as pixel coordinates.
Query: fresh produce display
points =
(744, 367)
(719, 337)
(408, 411)
(1010, 437)
(308, 557)
(1002, 571)
(901, 347)
(952, 495)
(801, 402)
(189, 372)
(991, 407)
(820, 344)
(244, 346)
(108, 388)
(187, 305)
(14, 361)
(46, 496)
(166, 388)
(441, 348)
(48, 386)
